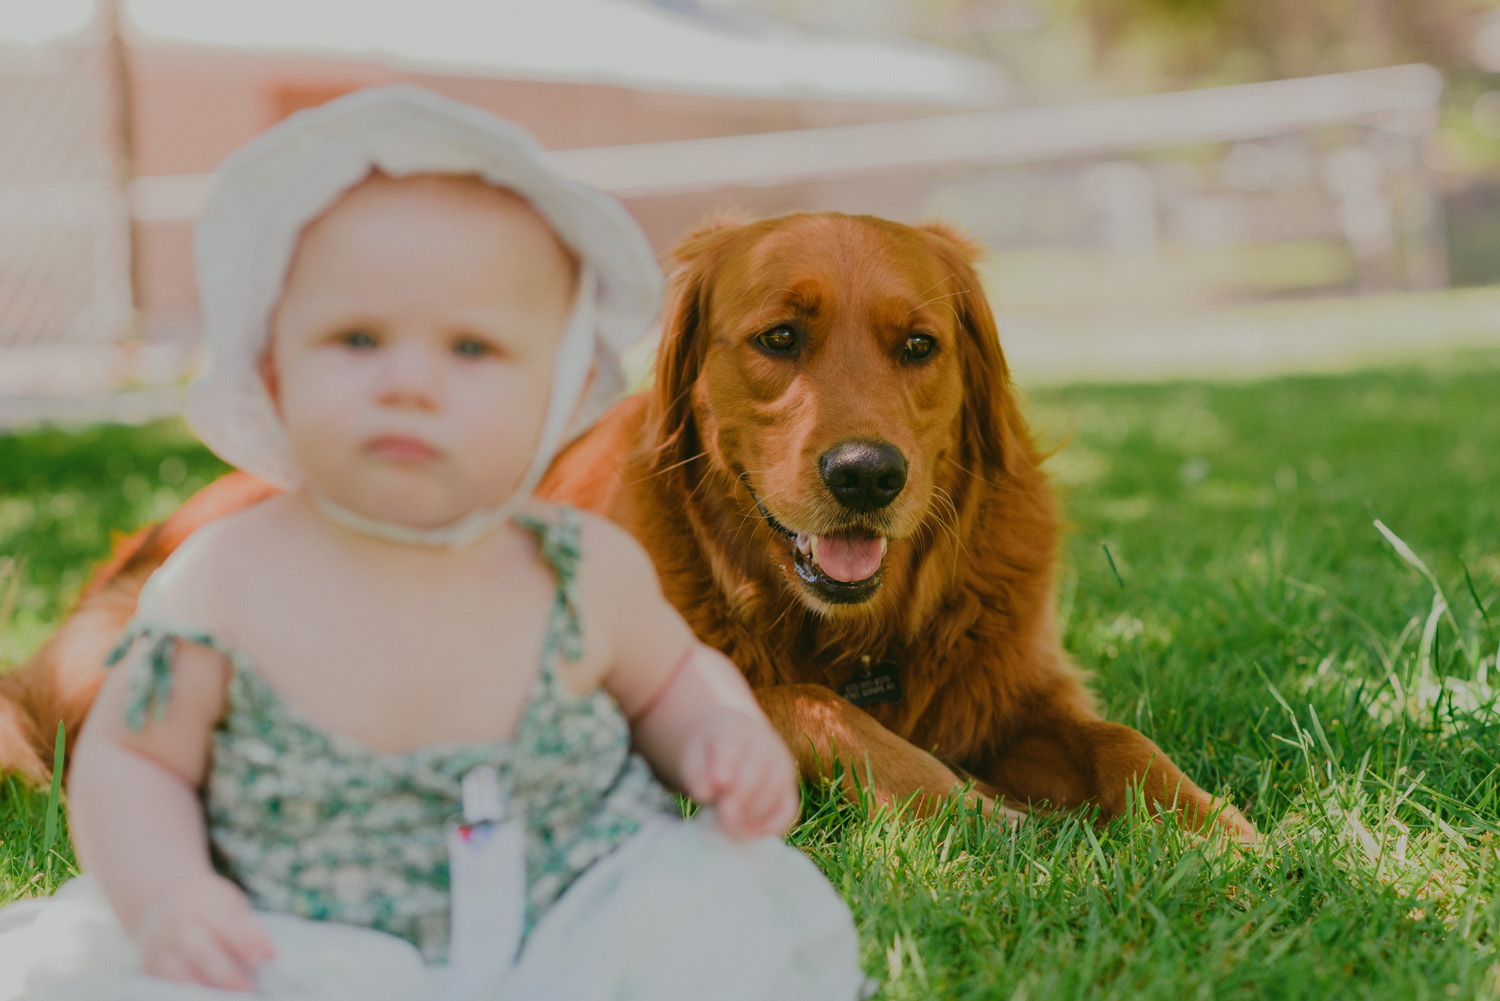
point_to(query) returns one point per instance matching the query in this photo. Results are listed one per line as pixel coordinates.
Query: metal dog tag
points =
(880, 682)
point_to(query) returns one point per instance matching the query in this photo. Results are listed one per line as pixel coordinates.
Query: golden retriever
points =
(838, 489)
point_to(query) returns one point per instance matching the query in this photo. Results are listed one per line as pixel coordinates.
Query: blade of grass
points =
(1112, 568)
(10, 574)
(1410, 556)
(54, 794)
(1426, 649)
(1474, 593)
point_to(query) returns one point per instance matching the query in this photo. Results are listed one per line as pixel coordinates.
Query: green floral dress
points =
(316, 824)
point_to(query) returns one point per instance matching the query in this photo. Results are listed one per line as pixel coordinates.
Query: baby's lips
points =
(403, 449)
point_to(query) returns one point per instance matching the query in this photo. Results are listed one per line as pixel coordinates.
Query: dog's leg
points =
(56, 685)
(1073, 762)
(19, 745)
(821, 728)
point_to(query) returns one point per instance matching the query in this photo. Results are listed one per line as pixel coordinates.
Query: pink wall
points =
(191, 107)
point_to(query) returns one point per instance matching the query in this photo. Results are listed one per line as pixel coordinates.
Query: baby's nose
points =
(412, 376)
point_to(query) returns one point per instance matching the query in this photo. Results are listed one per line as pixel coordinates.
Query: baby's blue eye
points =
(358, 339)
(471, 347)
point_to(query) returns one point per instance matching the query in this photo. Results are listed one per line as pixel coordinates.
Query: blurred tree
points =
(1151, 45)
(1225, 41)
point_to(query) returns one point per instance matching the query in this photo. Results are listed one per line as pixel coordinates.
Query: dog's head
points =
(838, 373)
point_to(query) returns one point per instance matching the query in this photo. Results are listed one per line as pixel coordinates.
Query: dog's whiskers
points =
(751, 516)
(682, 395)
(943, 497)
(789, 602)
(951, 531)
(761, 309)
(978, 476)
(938, 298)
(933, 285)
(951, 507)
(923, 533)
(664, 470)
(949, 277)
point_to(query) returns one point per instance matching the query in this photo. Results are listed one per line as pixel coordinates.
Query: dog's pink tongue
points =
(849, 558)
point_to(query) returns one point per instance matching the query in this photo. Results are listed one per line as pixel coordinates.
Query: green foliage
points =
(1231, 40)
(1227, 585)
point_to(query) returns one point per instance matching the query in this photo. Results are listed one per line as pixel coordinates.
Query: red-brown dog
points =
(838, 490)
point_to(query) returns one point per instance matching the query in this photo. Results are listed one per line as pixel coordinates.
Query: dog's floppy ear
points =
(723, 217)
(679, 356)
(992, 418)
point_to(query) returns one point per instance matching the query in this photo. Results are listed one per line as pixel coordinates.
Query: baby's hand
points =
(739, 765)
(204, 933)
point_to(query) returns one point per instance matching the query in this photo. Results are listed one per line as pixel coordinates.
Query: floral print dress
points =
(315, 824)
(343, 850)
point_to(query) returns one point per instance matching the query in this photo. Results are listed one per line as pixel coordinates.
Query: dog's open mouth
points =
(848, 558)
(841, 568)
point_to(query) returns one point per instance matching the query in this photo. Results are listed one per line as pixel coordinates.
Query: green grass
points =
(62, 495)
(1225, 582)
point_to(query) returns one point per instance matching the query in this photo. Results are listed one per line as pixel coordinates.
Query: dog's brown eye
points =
(917, 347)
(781, 340)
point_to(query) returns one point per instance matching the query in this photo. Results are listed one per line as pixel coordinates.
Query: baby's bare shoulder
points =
(612, 553)
(198, 582)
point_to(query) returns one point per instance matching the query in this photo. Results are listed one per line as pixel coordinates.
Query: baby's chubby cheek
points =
(321, 429)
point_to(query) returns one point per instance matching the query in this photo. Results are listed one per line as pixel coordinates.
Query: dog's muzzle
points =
(840, 568)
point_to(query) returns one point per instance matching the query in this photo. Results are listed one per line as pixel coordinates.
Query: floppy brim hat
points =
(269, 190)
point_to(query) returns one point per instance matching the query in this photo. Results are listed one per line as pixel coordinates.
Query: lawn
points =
(1228, 585)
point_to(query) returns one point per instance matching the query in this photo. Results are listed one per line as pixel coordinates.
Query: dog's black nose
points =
(863, 475)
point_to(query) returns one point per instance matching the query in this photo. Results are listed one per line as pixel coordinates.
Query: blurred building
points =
(113, 115)
(204, 78)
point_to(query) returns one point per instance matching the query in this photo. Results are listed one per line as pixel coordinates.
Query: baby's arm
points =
(706, 723)
(692, 714)
(138, 826)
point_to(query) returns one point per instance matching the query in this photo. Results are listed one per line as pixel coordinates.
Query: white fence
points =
(1337, 157)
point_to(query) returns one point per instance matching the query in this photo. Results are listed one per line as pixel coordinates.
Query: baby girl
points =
(377, 737)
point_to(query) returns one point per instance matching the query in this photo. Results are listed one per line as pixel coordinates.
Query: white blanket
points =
(681, 912)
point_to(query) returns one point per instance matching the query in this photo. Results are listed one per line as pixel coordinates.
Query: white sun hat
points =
(269, 190)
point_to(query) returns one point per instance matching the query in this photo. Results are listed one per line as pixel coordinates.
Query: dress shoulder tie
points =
(150, 678)
(557, 540)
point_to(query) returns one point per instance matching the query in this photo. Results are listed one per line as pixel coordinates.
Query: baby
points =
(373, 737)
